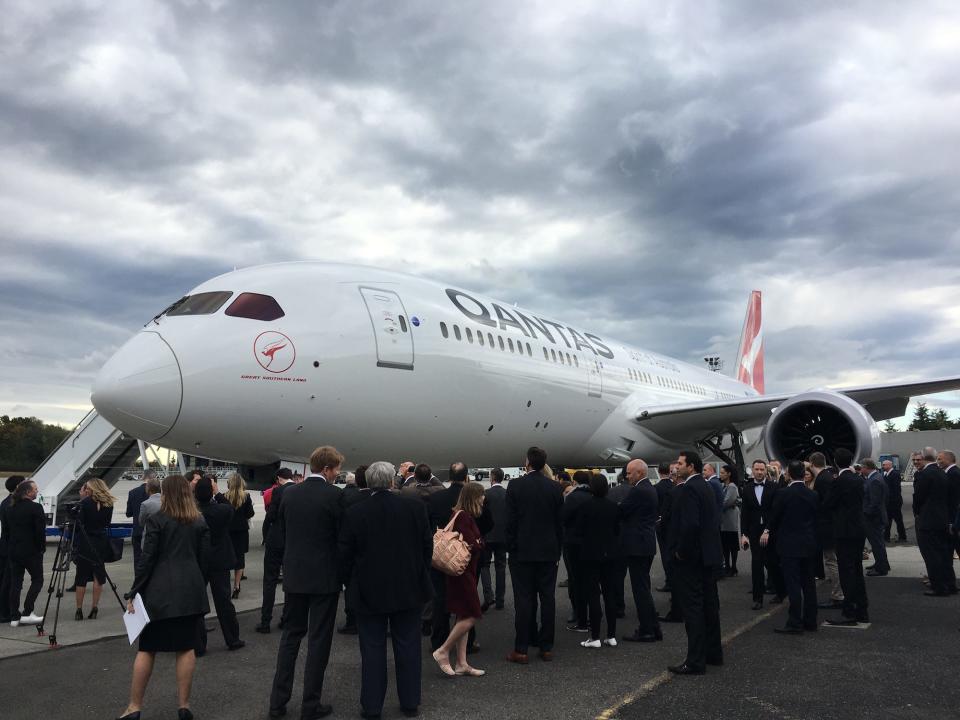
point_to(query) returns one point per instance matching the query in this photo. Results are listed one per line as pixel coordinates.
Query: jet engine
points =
(821, 421)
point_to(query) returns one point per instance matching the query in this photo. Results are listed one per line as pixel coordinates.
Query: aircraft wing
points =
(683, 422)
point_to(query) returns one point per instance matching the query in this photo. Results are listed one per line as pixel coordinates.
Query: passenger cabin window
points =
(255, 306)
(469, 335)
(200, 304)
(480, 338)
(443, 330)
(456, 331)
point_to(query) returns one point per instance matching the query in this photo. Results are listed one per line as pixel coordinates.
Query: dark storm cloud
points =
(633, 170)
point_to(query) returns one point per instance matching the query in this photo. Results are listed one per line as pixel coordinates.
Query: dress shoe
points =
(347, 630)
(789, 630)
(876, 573)
(578, 628)
(237, 645)
(262, 628)
(928, 593)
(546, 655)
(777, 600)
(757, 606)
(715, 661)
(184, 714)
(410, 712)
(685, 669)
(637, 637)
(842, 622)
(519, 658)
(135, 715)
(670, 618)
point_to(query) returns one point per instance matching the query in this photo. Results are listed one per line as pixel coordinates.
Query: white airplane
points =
(265, 364)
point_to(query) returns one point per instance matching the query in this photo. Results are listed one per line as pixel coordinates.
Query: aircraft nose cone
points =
(139, 389)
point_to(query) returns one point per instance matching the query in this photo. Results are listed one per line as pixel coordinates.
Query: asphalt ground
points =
(902, 665)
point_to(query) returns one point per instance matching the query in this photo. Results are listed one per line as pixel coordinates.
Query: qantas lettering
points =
(478, 312)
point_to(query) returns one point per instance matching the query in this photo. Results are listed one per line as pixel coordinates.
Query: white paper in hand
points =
(137, 620)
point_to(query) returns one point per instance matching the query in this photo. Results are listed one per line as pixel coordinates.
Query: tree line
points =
(25, 442)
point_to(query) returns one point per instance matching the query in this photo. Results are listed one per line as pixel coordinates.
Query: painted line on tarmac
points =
(666, 676)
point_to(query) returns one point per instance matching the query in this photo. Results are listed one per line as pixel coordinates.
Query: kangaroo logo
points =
(274, 351)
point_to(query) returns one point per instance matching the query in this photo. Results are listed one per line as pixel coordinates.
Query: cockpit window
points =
(255, 307)
(200, 304)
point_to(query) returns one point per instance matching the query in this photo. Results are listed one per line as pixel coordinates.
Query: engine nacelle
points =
(820, 421)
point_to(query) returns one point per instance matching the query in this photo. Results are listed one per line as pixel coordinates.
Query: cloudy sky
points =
(637, 168)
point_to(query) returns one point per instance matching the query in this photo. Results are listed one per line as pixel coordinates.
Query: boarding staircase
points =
(94, 449)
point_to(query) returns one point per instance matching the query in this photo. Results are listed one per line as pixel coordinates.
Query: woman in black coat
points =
(93, 542)
(599, 524)
(239, 499)
(170, 579)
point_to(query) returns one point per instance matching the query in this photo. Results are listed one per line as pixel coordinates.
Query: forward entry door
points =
(391, 328)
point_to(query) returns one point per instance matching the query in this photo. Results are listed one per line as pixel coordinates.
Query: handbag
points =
(451, 554)
(114, 550)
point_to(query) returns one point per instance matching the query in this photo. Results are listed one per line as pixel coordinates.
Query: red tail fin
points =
(750, 354)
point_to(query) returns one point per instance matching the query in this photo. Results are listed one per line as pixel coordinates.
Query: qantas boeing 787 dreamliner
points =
(264, 364)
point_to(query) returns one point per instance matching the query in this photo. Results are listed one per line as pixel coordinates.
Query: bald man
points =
(638, 543)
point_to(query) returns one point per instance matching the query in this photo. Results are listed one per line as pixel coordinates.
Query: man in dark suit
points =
(715, 483)
(5, 610)
(25, 521)
(355, 492)
(675, 614)
(758, 497)
(273, 551)
(891, 476)
(823, 481)
(875, 515)
(638, 544)
(309, 522)
(135, 499)
(845, 504)
(793, 527)
(220, 563)
(663, 487)
(947, 461)
(931, 499)
(694, 543)
(386, 543)
(534, 538)
(495, 543)
(572, 545)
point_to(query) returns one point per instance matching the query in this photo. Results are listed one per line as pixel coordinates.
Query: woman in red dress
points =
(462, 598)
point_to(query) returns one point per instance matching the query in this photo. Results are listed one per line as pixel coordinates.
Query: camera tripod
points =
(68, 550)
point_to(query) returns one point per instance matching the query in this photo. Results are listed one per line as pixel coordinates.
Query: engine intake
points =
(820, 421)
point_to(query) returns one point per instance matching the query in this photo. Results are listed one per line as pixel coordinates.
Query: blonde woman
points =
(462, 597)
(239, 499)
(176, 548)
(93, 542)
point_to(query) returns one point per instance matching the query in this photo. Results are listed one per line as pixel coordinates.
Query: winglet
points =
(750, 354)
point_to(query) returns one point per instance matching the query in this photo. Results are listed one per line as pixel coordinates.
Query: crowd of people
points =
(388, 528)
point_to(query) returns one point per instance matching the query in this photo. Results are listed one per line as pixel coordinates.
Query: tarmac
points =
(902, 665)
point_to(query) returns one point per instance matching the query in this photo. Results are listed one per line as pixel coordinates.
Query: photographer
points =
(93, 543)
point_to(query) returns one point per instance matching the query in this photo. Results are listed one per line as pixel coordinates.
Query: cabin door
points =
(391, 328)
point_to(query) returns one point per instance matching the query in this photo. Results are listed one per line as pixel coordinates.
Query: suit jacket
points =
(638, 521)
(793, 521)
(953, 490)
(663, 487)
(598, 523)
(875, 498)
(619, 492)
(572, 504)
(27, 525)
(497, 502)
(4, 530)
(716, 484)
(309, 525)
(423, 492)
(694, 536)
(384, 554)
(821, 486)
(440, 504)
(894, 490)
(845, 504)
(353, 495)
(172, 568)
(931, 499)
(754, 516)
(150, 506)
(218, 517)
(272, 535)
(135, 498)
(534, 529)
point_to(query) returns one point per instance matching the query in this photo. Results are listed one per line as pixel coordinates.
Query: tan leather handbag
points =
(451, 554)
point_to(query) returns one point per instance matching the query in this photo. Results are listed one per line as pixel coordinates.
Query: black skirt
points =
(171, 634)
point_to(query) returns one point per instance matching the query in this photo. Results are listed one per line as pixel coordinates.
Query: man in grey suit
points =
(875, 515)
(496, 543)
(150, 506)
